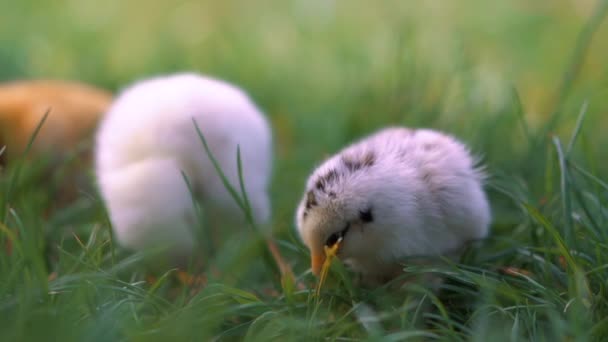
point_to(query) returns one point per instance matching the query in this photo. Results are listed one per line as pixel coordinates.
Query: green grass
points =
(523, 83)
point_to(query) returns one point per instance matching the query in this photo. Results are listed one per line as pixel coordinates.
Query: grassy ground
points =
(524, 83)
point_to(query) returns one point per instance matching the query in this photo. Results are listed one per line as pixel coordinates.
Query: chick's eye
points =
(336, 237)
(366, 215)
(332, 239)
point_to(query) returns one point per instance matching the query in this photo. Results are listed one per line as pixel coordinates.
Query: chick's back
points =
(430, 181)
(148, 138)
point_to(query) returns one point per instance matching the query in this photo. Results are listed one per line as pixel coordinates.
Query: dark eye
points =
(366, 215)
(337, 236)
(332, 239)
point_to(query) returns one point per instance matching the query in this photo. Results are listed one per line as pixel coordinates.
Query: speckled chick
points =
(397, 193)
(148, 138)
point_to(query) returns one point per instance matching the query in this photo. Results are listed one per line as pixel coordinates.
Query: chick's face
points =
(326, 220)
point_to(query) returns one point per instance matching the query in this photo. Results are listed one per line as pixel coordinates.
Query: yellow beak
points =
(316, 262)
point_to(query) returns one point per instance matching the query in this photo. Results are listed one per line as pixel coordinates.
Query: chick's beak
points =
(316, 262)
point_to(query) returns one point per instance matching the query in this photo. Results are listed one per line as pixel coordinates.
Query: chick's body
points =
(65, 138)
(74, 110)
(395, 194)
(148, 138)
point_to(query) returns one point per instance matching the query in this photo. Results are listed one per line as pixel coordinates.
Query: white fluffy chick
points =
(394, 194)
(148, 138)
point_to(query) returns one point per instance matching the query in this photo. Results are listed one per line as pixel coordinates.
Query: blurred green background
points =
(327, 71)
(333, 65)
(501, 75)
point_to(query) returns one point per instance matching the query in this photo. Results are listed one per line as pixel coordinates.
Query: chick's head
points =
(348, 206)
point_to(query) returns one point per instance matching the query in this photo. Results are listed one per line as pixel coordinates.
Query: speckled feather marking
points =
(327, 179)
(311, 201)
(352, 163)
(355, 164)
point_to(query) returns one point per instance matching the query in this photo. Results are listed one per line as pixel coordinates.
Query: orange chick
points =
(75, 109)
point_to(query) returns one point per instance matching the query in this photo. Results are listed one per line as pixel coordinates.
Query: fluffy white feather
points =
(148, 138)
(394, 194)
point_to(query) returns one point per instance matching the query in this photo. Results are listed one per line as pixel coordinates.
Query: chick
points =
(394, 194)
(148, 138)
(64, 139)
(74, 110)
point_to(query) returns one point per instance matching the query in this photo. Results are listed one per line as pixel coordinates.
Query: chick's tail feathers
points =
(150, 205)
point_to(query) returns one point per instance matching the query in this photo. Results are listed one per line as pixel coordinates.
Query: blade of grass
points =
(32, 254)
(565, 193)
(15, 176)
(245, 199)
(160, 281)
(554, 234)
(284, 268)
(519, 111)
(243, 203)
(218, 168)
(439, 306)
(12, 238)
(549, 170)
(594, 227)
(577, 128)
(587, 174)
(581, 46)
(287, 276)
(209, 249)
